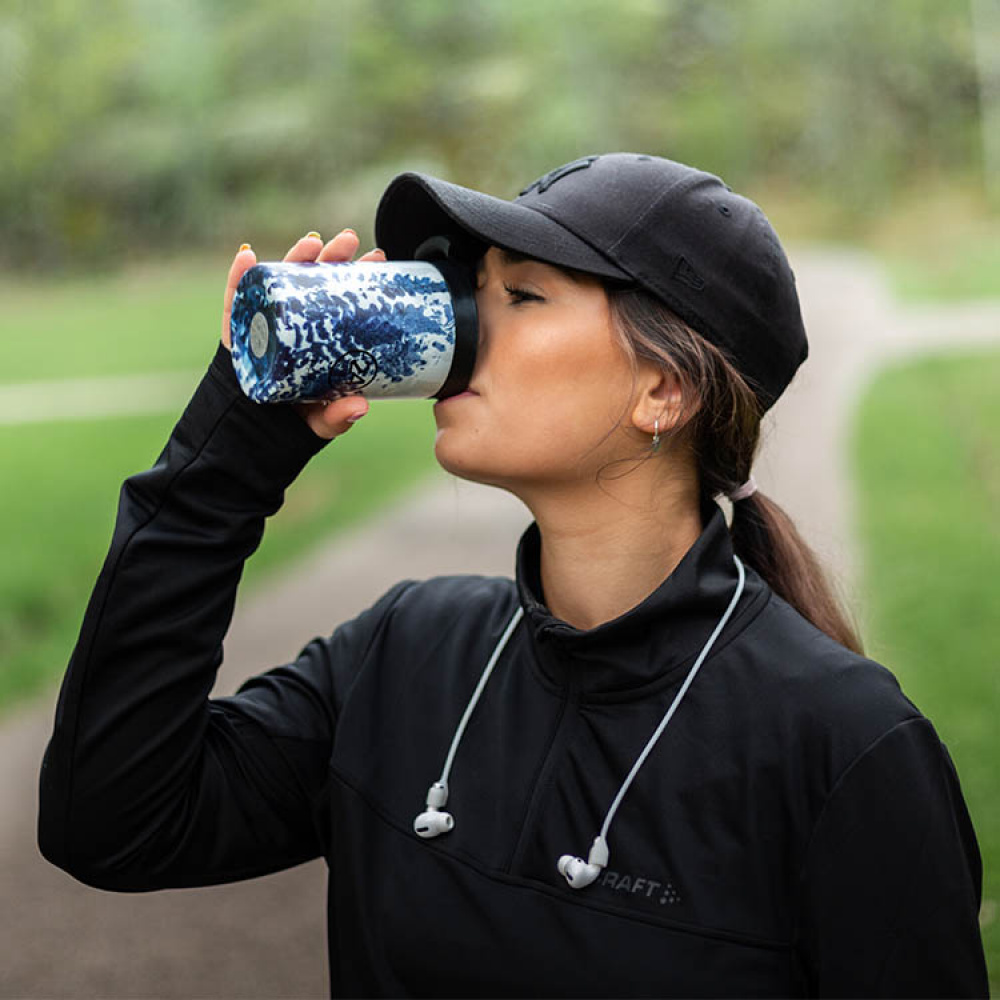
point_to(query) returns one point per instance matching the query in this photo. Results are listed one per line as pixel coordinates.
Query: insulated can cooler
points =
(313, 331)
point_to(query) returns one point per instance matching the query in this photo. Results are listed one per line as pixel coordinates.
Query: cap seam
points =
(573, 232)
(686, 312)
(661, 194)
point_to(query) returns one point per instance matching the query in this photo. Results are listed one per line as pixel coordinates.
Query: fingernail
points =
(245, 246)
(355, 417)
(314, 235)
(351, 231)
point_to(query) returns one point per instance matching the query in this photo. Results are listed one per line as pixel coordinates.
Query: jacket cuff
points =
(267, 442)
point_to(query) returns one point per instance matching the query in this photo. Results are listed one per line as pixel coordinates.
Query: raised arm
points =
(146, 783)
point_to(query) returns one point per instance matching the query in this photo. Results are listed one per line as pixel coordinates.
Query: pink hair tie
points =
(746, 490)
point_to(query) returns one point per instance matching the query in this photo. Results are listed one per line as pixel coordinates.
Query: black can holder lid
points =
(458, 278)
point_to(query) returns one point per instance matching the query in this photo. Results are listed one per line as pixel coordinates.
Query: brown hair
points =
(722, 424)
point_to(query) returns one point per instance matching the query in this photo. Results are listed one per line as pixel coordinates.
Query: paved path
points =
(74, 399)
(266, 938)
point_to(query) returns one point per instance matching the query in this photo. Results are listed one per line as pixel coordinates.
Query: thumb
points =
(330, 420)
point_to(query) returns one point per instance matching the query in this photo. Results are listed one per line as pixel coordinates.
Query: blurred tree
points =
(986, 29)
(181, 121)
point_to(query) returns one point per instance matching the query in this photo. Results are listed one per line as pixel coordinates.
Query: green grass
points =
(938, 238)
(140, 320)
(927, 447)
(61, 480)
(943, 245)
(969, 269)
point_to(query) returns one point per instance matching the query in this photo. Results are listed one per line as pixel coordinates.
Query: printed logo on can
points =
(353, 370)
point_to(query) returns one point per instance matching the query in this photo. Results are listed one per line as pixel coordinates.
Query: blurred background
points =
(140, 127)
(141, 141)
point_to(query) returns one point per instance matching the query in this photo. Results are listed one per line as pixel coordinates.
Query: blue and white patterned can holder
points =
(313, 331)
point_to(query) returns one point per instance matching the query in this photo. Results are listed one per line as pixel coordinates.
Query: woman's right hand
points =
(327, 420)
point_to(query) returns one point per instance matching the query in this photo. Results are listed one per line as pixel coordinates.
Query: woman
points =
(654, 764)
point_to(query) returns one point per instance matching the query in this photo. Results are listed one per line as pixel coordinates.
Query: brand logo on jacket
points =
(656, 891)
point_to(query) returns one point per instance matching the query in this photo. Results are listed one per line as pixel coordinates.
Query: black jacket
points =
(798, 829)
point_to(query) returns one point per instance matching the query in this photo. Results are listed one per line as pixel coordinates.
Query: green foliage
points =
(132, 123)
(927, 446)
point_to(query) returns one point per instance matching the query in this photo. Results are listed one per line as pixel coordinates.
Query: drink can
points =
(318, 331)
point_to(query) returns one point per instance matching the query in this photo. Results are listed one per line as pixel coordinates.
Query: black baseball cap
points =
(679, 233)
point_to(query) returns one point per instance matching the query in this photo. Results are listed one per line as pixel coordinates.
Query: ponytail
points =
(765, 537)
(723, 426)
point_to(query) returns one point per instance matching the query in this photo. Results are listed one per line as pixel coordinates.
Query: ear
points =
(659, 400)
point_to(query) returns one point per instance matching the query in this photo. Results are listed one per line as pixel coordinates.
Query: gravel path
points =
(266, 938)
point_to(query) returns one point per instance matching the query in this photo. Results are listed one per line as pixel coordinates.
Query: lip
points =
(459, 395)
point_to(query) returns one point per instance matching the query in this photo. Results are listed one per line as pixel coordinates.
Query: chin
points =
(453, 461)
(466, 462)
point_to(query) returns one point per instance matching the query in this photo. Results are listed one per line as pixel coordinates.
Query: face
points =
(549, 399)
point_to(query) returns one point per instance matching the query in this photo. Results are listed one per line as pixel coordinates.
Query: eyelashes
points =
(519, 295)
(516, 293)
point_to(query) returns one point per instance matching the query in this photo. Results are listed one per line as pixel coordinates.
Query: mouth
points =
(459, 395)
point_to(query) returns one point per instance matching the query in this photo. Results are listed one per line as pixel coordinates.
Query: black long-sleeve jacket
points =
(798, 829)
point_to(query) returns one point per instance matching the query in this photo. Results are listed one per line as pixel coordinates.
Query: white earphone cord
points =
(640, 760)
(578, 873)
(474, 700)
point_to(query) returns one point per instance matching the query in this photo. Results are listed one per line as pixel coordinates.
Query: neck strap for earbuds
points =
(692, 673)
(474, 700)
(599, 852)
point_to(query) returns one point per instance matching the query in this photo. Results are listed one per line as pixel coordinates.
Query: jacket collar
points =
(648, 644)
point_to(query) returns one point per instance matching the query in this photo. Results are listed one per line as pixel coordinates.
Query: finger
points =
(242, 262)
(330, 420)
(306, 249)
(342, 247)
(377, 255)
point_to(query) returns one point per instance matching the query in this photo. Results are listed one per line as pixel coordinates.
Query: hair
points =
(721, 418)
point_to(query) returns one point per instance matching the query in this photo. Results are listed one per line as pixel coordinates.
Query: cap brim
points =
(416, 207)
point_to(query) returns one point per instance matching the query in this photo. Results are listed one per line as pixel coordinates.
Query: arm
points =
(892, 882)
(145, 783)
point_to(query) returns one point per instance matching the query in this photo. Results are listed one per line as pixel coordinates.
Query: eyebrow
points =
(513, 257)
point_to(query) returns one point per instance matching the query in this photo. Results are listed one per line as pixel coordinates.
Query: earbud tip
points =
(577, 872)
(433, 823)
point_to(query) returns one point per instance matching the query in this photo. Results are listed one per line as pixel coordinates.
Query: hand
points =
(337, 417)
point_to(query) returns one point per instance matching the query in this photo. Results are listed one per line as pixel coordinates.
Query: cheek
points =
(561, 403)
(554, 394)
(558, 360)
(582, 383)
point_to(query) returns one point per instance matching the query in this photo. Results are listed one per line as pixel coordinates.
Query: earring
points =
(656, 435)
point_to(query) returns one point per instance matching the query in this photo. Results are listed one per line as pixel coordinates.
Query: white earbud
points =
(434, 821)
(580, 873)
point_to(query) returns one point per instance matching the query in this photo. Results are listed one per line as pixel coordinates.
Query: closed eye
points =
(519, 295)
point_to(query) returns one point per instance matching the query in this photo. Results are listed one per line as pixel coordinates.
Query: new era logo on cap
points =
(687, 275)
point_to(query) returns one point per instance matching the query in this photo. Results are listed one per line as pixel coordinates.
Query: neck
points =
(603, 553)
